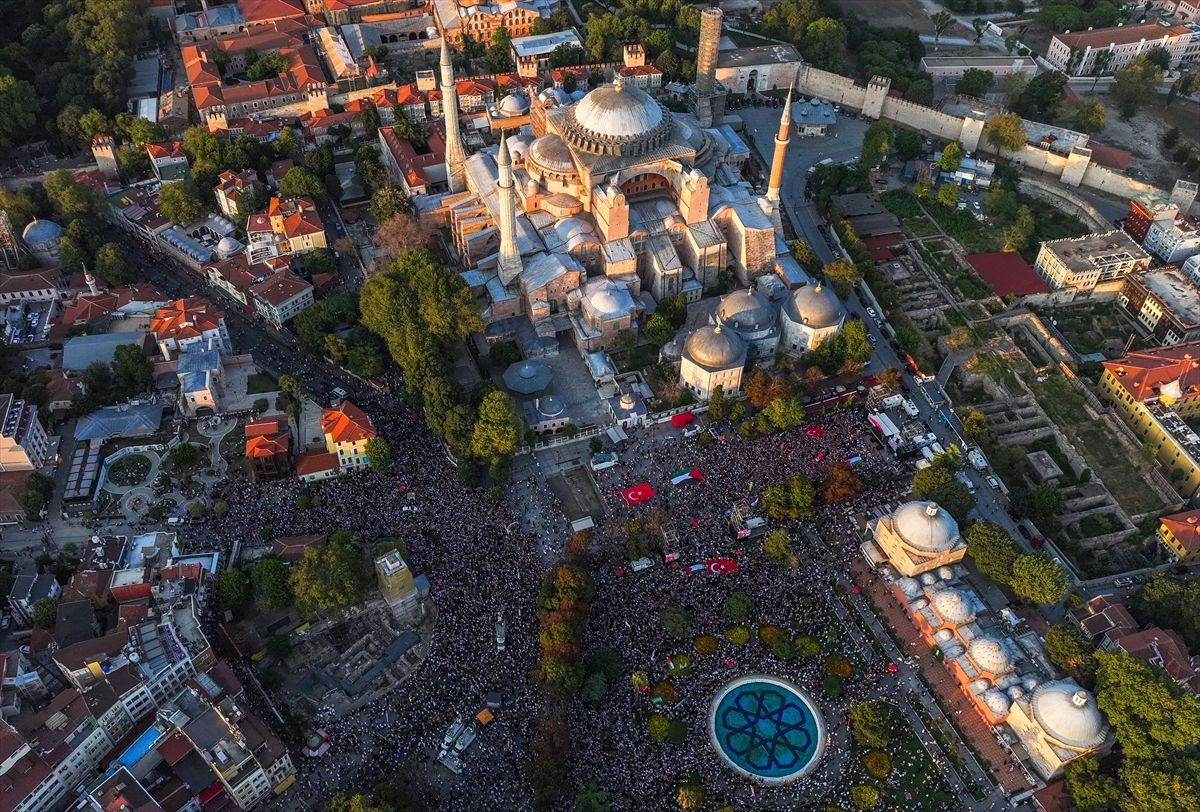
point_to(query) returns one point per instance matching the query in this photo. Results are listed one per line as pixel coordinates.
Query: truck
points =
(966, 481)
(601, 462)
(927, 453)
(910, 408)
(977, 460)
(893, 401)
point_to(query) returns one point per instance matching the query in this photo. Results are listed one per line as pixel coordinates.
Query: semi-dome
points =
(926, 527)
(41, 231)
(1068, 714)
(715, 348)
(746, 311)
(815, 306)
(990, 655)
(551, 153)
(618, 120)
(953, 607)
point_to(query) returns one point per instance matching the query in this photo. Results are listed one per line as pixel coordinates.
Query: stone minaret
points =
(707, 94)
(91, 282)
(781, 145)
(510, 257)
(456, 173)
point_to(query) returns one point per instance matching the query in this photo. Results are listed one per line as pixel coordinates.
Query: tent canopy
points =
(682, 419)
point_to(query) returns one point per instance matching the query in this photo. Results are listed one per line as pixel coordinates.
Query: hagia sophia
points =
(606, 198)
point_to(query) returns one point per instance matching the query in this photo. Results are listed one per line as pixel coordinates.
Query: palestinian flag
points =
(686, 475)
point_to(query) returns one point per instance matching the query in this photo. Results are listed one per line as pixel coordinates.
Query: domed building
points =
(42, 238)
(605, 309)
(750, 314)
(808, 317)
(712, 357)
(918, 537)
(1059, 722)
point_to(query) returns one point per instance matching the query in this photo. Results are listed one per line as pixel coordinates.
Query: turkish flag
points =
(720, 566)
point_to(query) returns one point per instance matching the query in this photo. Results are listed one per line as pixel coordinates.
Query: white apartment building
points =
(24, 445)
(1175, 240)
(1125, 42)
(1093, 259)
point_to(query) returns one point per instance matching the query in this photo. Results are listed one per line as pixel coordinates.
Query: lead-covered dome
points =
(617, 120)
(926, 527)
(746, 311)
(952, 606)
(715, 348)
(990, 655)
(1068, 714)
(39, 232)
(551, 154)
(814, 306)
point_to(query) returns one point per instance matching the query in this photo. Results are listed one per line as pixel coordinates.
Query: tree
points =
(907, 144)
(941, 21)
(876, 143)
(1157, 55)
(265, 66)
(114, 266)
(1187, 84)
(975, 82)
(993, 551)
(369, 118)
(824, 44)
(132, 163)
(1041, 94)
(497, 431)
(1012, 85)
(400, 232)
(951, 157)
(71, 199)
(690, 794)
(300, 182)
(388, 201)
(1090, 790)
(1134, 84)
(353, 802)
(1071, 650)
(590, 798)
(181, 202)
(142, 131)
(330, 578)
(499, 53)
(1151, 716)
(379, 453)
(271, 588)
(658, 330)
(778, 549)
(865, 796)
(19, 105)
(871, 723)
(1038, 578)
(233, 588)
(1083, 115)
(132, 371)
(843, 483)
(39, 488)
(738, 606)
(947, 194)
(1005, 131)
(1020, 231)
(1046, 504)
(843, 275)
(45, 613)
(1171, 603)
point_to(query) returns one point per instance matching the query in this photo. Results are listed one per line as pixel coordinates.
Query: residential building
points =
(264, 12)
(647, 77)
(27, 590)
(236, 275)
(314, 466)
(209, 23)
(260, 39)
(189, 321)
(1144, 211)
(268, 446)
(1173, 240)
(288, 225)
(1179, 9)
(34, 286)
(279, 297)
(343, 12)
(416, 172)
(952, 68)
(1086, 262)
(234, 186)
(1101, 618)
(24, 445)
(1156, 391)
(1180, 534)
(1163, 301)
(168, 160)
(1075, 52)
(1165, 649)
(347, 431)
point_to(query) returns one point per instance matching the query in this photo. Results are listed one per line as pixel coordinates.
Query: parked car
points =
(993, 482)
(1122, 582)
(6, 622)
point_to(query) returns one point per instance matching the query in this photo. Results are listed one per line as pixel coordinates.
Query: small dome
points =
(604, 302)
(551, 153)
(945, 573)
(953, 607)
(909, 587)
(990, 655)
(943, 635)
(926, 527)
(1015, 692)
(746, 311)
(39, 232)
(1068, 714)
(928, 579)
(551, 406)
(815, 306)
(997, 702)
(228, 246)
(672, 350)
(514, 104)
(715, 348)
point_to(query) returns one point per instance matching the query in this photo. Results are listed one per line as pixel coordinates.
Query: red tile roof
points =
(1120, 35)
(1142, 373)
(280, 288)
(315, 462)
(185, 318)
(1111, 157)
(1165, 648)
(167, 149)
(1008, 273)
(346, 423)
(293, 548)
(174, 747)
(263, 11)
(1185, 527)
(412, 163)
(1100, 616)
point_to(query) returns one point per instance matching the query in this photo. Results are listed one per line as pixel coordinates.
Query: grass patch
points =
(261, 382)
(130, 470)
(233, 444)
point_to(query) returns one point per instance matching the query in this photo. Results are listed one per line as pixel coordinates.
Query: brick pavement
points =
(972, 726)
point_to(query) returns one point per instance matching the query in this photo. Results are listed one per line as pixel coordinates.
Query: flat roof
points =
(778, 54)
(1007, 273)
(541, 44)
(1174, 290)
(1083, 253)
(981, 62)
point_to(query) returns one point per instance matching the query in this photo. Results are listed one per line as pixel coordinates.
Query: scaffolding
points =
(9, 261)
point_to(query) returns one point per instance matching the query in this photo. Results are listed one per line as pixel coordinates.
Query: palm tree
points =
(941, 21)
(1103, 59)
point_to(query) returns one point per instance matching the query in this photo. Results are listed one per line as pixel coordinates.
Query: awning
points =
(484, 717)
(682, 419)
(638, 494)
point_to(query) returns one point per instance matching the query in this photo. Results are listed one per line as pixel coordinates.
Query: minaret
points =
(91, 282)
(510, 266)
(455, 159)
(781, 145)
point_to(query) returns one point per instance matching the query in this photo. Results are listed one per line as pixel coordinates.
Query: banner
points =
(720, 566)
(687, 475)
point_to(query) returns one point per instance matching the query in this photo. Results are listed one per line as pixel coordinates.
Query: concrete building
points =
(1163, 301)
(1155, 392)
(397, 585)
(712, 357)
(279, 297)
(27, 590)
(1086, 262)
(952, 68)
(236, 186)
(1126, 43)
(289, 225)
(918, 537)
(168, 160)
(1180, 534)
(531, 54)
(1173, 240)
(758, 68)
(347, 431)
(24, 445)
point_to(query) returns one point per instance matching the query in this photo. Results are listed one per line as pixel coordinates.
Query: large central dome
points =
(617, 120)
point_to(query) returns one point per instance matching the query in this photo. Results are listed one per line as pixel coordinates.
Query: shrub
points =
(807, 646)
(783, 648)
(676, 731)
(705, 644)
(838, 665)
(863, 796)
(666, 692)
(658, 726)
(878, 765)
(832, 686)
(737, 635)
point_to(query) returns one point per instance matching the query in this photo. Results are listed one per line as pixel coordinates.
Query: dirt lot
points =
(1143, 134)
(900, 14)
